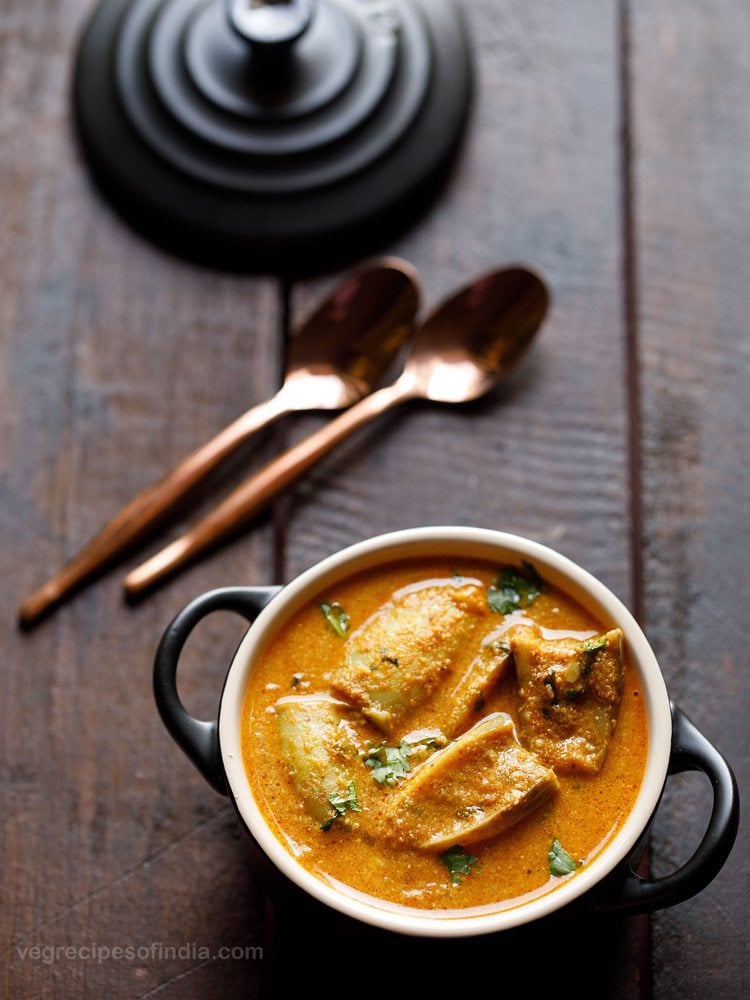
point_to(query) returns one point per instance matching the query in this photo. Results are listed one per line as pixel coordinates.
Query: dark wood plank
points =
(547, 456)
(115, 361)
(692, 132)
(537, 183)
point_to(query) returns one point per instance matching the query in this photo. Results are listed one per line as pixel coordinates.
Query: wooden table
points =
(609, 146)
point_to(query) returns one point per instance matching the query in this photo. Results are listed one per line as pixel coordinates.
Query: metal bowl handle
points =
(627, 892)
(197, 737)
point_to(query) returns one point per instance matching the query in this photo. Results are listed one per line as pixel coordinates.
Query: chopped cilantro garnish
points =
(340, 804)
(458, 862)
(336, 617)
(560, 862)
(514, 588)
(389, 763)
(589, 649)
(594, 645)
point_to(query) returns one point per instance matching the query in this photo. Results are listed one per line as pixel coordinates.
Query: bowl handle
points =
(627, 892)
(197, 737)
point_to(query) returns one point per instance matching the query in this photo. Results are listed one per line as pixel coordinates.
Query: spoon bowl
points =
(462, 351)
(336, 357)
(472, 341)
(345, 347)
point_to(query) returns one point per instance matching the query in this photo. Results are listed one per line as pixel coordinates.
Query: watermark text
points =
(156, 951)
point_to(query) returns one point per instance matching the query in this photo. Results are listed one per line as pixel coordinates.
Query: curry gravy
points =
(583, 815)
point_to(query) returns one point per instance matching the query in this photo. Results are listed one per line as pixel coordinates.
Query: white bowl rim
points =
(407, 543)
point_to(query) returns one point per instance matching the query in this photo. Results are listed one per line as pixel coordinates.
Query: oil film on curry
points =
(444, 736)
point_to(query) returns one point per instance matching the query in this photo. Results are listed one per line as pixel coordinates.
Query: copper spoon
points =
(335, 358)
(465, 348)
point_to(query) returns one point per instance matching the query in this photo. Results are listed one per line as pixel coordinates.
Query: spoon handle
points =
(251, 496)
(147, 510)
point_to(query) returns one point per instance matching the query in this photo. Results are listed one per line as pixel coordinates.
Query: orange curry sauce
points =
(583, 815)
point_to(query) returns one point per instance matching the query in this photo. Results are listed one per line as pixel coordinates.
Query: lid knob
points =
(270, 26)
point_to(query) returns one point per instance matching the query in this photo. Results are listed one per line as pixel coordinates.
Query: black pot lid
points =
(272, 134)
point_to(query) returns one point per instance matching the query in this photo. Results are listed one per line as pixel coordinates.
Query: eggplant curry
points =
(444, 736)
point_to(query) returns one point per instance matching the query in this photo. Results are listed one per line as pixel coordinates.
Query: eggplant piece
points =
(395, 661)
(569, 696)
(457, 703)
(321, 749)
(478, 786)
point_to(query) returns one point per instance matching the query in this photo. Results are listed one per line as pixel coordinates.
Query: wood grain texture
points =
(538, 182)
(115, 361)
(692, 126)
(547, 455)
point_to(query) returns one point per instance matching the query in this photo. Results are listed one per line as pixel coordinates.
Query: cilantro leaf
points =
(336, 617)
(458, 862)
(560, 862)
(514, 588)
(594, 645)
(388, 764)
(340, 805)
(589, 650)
